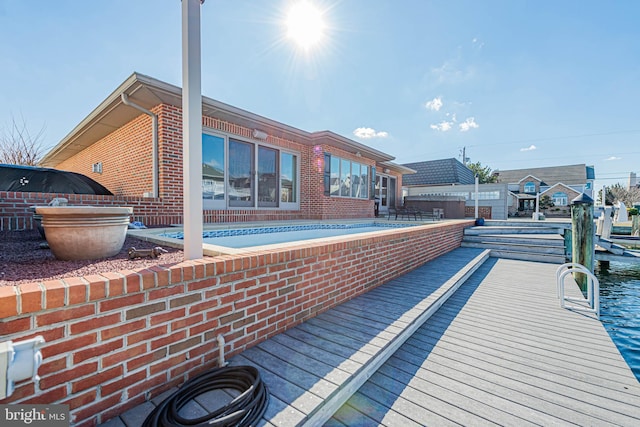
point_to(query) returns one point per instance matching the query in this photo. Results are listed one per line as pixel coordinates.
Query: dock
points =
(463, 340)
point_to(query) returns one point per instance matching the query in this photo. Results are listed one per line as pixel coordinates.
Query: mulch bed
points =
(23, 260)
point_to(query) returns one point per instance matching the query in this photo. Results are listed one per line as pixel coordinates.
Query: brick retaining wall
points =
(115, 340)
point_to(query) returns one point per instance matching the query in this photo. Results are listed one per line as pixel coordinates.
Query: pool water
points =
(620, 309)
(259, 236)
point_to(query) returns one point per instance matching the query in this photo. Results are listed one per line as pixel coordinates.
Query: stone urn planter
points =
(84, 232)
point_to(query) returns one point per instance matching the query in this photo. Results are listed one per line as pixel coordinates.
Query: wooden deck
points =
(314, 368)
(499, 350)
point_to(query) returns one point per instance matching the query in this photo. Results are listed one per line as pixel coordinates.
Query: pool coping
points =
(154, 234)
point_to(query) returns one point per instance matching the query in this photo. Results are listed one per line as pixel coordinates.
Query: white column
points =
(192, 129)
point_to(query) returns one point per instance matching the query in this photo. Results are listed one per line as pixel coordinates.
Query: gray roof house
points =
(561, 183)
(439, 182)
(571, 175)
(438, 172)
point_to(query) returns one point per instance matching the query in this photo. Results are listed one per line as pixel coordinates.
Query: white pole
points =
(191, 129)
(477, 183)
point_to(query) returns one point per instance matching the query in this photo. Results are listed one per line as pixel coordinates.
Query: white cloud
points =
(435, 104)
(468, 124)
(368, 133)
(529, 148)
(612, 158)
(442, 127)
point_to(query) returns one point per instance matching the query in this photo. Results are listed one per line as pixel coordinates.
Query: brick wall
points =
(114, 340)
(16, 213)
(127, 171)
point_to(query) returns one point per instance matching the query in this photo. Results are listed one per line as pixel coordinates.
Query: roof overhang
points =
(148, 92)
(395, 167)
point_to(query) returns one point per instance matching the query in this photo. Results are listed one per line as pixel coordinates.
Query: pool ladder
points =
(590, 304)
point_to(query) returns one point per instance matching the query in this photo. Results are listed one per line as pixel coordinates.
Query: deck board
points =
(502, 350)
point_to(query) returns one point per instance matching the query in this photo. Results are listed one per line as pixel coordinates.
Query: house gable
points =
(561, 188)
(525, 185)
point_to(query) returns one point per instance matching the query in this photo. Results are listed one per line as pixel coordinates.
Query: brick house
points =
(254, 168)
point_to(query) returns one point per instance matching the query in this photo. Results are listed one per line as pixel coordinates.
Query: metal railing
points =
(590, 304)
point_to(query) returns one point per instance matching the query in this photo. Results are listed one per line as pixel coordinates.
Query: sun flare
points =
(304, 24)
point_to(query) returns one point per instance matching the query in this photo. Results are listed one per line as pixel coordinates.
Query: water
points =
(620, 309)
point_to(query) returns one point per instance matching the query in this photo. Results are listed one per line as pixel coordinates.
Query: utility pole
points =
(464, 156)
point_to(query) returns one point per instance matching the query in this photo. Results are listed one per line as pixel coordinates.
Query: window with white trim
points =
(560, 199)
(348, 179)
(246, 174)
(530, 187)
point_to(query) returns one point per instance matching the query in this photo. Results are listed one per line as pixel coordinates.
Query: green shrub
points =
(632, 211)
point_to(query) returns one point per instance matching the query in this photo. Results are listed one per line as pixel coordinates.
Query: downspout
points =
(154, 142)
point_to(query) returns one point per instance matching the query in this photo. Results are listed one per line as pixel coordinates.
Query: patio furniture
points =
(400, 211)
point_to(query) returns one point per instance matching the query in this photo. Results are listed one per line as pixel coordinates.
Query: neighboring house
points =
(438, 172)
(514, 194)
(441, 180)
(561, 183)
(253, 168)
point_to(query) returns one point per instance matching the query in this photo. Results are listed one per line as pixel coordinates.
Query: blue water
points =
(258, 236)
(620, 309)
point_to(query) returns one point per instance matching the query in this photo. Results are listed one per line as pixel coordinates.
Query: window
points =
(243, 174)
(212, 172)
(560, 199)
(240, 176)
(530, 187)
(485, 195)
(288, 178)
(267, 177)
(335, 176)
(348, 179)
(345, 177)
(364, 179)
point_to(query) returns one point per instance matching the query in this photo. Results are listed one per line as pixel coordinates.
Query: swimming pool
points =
(620, 309)
(238, 238)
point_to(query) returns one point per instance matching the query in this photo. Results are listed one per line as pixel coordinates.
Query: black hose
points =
(246, 409)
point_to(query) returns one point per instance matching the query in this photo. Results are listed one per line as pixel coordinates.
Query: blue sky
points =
(518, 83)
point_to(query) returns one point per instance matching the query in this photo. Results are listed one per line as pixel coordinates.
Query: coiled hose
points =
(246, 409)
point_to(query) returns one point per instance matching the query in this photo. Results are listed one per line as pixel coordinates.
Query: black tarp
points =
(45, 180)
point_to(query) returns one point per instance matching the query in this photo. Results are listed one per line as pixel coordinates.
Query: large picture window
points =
(348, 179)
(244, 174)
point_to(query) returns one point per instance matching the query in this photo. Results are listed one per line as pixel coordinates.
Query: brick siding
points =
(114, 340)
